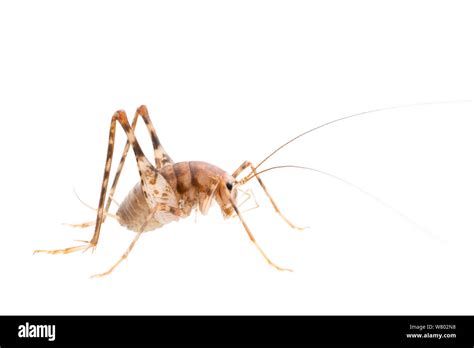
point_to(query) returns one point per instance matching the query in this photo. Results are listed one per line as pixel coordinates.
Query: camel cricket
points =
(167, 191)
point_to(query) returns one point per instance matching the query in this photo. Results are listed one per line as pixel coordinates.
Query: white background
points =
(229, 81)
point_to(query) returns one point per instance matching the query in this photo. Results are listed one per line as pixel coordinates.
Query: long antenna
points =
(359, 114)
(360, 189)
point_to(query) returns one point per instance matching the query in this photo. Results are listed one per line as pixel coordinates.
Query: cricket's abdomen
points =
(183, 186)
(134, 211)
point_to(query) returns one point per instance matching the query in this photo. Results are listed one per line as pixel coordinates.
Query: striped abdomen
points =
(134, 211)
(183, 185)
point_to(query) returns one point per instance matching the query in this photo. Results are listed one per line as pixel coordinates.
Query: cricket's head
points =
(226, 194)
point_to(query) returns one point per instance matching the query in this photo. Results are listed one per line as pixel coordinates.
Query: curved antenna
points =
(359, 114)
(360, 189)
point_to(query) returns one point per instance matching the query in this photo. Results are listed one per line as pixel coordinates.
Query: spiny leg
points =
(142, 162)
(247, 164)
(252, 238)
(158, 207)
(161, 157)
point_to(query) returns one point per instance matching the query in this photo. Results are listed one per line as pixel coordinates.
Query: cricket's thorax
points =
(184, 185)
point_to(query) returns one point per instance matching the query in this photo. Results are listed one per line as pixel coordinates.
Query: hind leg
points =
(121, 117)
(161, 159)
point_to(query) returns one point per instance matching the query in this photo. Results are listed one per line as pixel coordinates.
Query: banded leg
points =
(252, 238)
(142, 162)
(248, 164)
(158, 207)
(161, 157)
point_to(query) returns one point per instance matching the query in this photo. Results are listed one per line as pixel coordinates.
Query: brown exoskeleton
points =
(167, 191)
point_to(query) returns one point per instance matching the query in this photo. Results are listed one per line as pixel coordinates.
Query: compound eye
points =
(229, 186)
